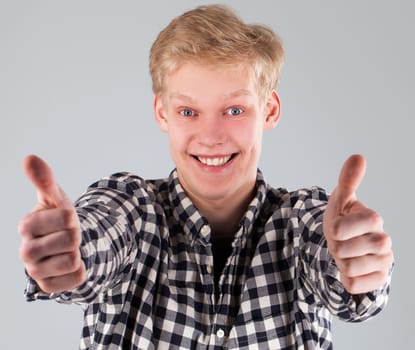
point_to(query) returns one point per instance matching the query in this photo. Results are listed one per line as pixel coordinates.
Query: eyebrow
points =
(183, 97)
(237, 93)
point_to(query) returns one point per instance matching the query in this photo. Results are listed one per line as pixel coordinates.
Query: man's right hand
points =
(51, 233)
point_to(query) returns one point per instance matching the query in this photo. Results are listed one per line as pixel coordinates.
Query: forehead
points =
(224, 81)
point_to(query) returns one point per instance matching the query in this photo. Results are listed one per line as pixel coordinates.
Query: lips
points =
(215, 161)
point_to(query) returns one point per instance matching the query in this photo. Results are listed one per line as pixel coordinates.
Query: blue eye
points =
(187, 112)
(235, 111)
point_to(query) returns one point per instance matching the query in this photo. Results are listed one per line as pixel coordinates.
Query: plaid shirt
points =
(150, 279)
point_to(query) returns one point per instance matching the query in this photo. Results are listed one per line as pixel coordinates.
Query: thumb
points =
(48, 191)
(350, 177)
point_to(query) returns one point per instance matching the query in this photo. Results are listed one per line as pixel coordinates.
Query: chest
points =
(252, 295)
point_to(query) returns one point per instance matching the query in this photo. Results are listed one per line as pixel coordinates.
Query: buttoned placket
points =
(205, 262)
(204, 259)
(221, 327)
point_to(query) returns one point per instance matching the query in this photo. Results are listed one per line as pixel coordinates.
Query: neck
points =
(224, 216)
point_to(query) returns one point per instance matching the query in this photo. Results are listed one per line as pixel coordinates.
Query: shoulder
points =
(124, 186)
(306, 205)
(298, 199)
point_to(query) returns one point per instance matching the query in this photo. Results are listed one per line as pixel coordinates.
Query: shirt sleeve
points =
(319, 273)
(110, 215)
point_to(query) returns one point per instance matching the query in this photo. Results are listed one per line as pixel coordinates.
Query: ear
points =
(272, 111)
(160, 113)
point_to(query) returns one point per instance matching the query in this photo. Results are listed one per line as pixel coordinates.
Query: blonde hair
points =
(215, 35)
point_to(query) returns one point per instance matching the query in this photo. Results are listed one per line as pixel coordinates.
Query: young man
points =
(211, 257)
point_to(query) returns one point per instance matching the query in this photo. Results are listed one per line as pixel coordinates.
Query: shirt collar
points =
(192, 222)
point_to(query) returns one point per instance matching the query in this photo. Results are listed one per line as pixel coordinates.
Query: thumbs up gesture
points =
(354, 233)
(51, 233)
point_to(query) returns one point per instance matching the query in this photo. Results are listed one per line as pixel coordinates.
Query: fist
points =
(355, 235)
(50, 234)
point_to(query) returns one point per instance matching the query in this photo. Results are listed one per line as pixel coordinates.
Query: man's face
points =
(215, 120)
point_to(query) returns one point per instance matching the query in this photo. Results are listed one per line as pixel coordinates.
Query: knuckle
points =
(69, 262)
(80, 276)
(22, 253)
(376, 219)
(74, 238)
(47, 285)
(24, 227)
(68, 218)
(71, 239)
(335, 249)
(336, 229)
(62, 283)
(347, 268)
(29, 252)
(34, 271)
(383, 242)
(350, 284)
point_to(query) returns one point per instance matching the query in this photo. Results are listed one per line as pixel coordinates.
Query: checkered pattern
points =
(150, 285)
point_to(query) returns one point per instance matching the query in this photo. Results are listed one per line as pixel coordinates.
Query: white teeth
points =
(214, 161)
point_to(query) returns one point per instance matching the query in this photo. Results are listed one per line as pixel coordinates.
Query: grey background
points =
(75, 89)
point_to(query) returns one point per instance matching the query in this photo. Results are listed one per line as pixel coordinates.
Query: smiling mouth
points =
(215, 161)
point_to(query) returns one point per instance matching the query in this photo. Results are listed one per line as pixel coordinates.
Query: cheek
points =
(178, 138)
(248, 136)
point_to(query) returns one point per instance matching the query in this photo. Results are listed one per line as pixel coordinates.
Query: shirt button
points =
(220, 333)
(209, 269)
(204, 230)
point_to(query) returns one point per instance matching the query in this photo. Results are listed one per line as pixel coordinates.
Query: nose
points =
(211, 131)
